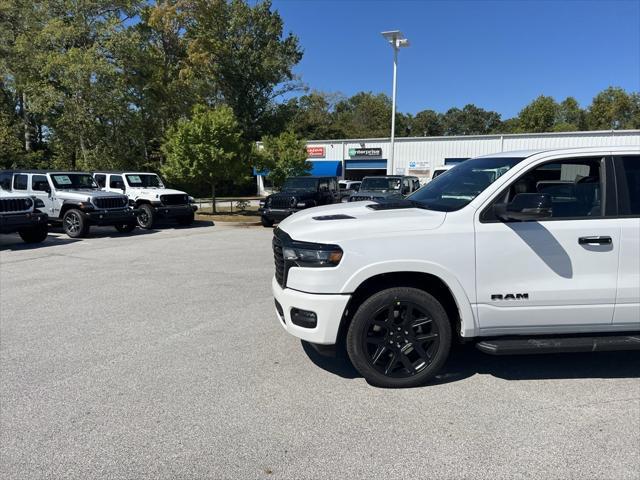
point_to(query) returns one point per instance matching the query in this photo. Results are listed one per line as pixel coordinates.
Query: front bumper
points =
(21, 221)
(329, 310)
(174, 211)
(278, 214)
(112, 217)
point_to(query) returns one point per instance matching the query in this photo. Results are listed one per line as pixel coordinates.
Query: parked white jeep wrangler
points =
(521, 252)
(147, 193)
(20, 213)
(73, 199)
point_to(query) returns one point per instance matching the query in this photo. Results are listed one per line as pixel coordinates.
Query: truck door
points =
(116, 184)
(627, 309)
(40, 188)
(554, 272)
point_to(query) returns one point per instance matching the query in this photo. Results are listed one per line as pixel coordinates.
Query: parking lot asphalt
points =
(158, 355)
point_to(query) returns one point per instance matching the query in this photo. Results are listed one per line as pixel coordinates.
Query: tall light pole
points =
(397, 41)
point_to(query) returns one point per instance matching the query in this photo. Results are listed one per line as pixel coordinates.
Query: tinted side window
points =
(632, 183)
(20, 182)
(116, 181)
(5, 181)
(101, 180)
(575, 188)
(39, 183)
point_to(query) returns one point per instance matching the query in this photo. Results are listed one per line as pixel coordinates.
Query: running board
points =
(535, 345)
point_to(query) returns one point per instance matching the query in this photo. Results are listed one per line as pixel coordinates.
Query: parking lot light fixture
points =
(397, 41)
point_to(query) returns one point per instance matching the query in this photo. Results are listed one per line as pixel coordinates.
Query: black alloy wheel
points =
(74, 223)
(146, 217)
(399, 337)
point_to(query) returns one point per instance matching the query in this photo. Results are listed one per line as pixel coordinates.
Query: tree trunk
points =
(213, 198)
(28, 143)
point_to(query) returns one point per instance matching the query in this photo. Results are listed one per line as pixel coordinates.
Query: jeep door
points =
(41, 188)
(552, 272)
(115, 183)
(627, 309)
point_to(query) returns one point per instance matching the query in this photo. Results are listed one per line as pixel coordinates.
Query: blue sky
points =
(499, 55)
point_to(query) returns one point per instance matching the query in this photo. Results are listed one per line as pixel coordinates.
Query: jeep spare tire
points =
(147, 216)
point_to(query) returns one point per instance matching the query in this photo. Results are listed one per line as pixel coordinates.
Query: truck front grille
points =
(281, 202)
(15, 205)
(174, 199)
(111, 202)
(278, 259)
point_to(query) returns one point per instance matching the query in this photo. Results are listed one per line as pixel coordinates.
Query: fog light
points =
(304, 318)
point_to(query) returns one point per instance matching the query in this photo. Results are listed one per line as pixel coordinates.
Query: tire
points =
(266, 221)
(35, 235)
(147, 216)
(399, 337)
(125, 227)
(187, 220)
(75, 224)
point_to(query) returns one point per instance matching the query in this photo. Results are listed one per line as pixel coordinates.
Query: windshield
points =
(144, 180)
(300, 183)
(462, 184)
(380, 183)
(73, 181)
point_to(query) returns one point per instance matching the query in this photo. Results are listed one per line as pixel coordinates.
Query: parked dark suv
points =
(297, 194)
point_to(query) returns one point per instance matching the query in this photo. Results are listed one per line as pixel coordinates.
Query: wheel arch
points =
(66, 206)
(449, 293)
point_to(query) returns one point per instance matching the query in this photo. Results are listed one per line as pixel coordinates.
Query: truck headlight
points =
(312, 255)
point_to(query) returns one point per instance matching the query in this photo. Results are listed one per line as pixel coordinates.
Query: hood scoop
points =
(340, 216)
(391, 205)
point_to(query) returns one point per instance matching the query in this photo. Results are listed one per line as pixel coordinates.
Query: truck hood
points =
(152, 192)
(84, 193)
(331, 223)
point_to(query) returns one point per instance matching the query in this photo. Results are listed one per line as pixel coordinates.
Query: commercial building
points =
(354, 159)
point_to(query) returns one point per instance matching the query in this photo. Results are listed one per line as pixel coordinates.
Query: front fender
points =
(469, 324)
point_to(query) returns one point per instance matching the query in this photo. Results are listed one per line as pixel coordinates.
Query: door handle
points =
(595, 241)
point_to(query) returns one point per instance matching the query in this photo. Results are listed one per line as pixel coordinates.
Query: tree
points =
(208, 147)
(539, 116)
(427, 123)
(570, 116)
(283, 156)
(240, 53)
(614, 109)
(364, 115)
(471, 120)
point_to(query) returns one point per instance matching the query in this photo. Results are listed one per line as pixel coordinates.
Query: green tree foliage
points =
(427, 123)
(614, 109)
(240, 52)
(364, 115)
(283, 156)
(471, 120)
(209, 148)
(539, 116)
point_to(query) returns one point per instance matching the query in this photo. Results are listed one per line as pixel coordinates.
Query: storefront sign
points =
(315, 152)
(365, 152)
(419, 165)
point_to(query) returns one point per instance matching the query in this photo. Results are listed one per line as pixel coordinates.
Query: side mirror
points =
(525, 206)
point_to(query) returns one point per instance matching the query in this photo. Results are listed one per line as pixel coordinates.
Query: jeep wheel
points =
(186, 220)
(147, 216)
(125, 227)
(266, 221)
(75, 224)
(35, 235)
(399, 337)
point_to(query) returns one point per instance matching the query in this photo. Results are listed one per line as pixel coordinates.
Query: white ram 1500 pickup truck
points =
(520, 252)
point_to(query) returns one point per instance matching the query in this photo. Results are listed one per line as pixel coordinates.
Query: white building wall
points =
(432, 151)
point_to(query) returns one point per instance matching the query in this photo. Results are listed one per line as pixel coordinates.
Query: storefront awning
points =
(329, 168)
(365, 164)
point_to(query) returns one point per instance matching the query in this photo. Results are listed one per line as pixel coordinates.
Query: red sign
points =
(317, 152)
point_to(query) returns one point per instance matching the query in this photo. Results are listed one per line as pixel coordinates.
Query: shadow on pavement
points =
(15, 243)
(466, 361)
